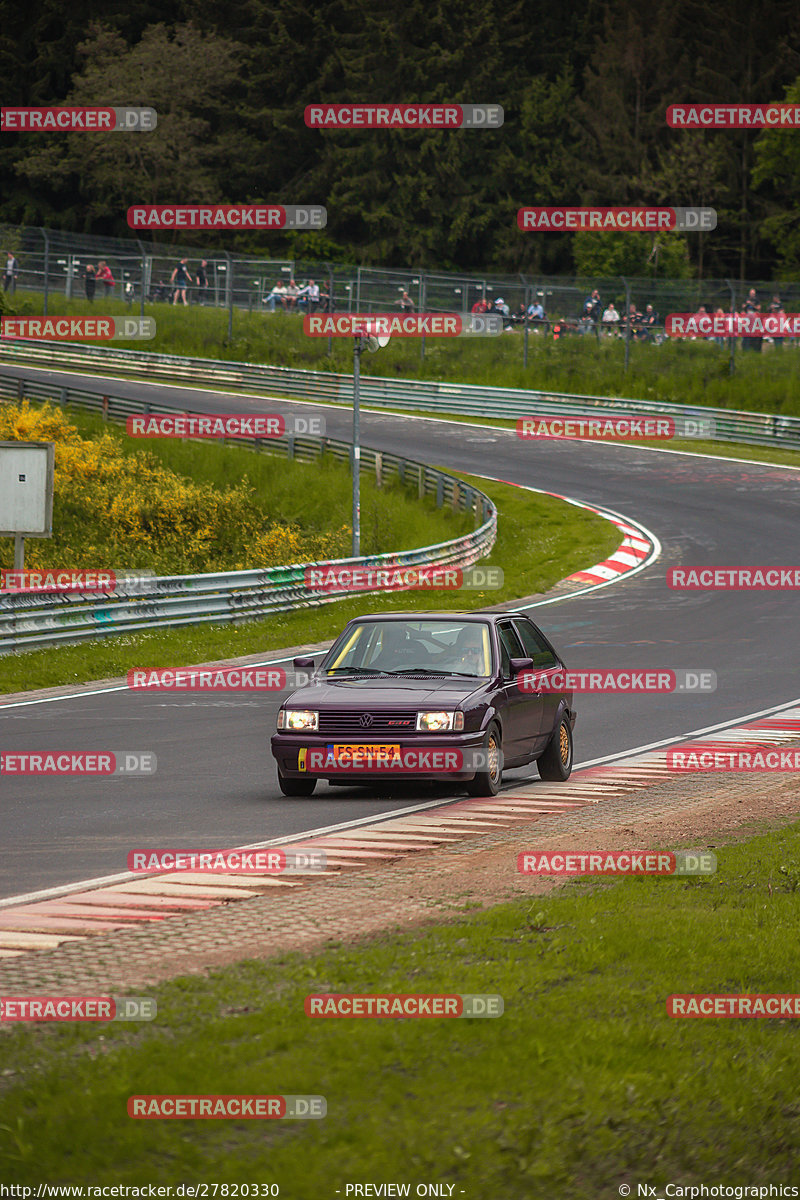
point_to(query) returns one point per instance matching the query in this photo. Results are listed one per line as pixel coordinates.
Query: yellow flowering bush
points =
(118, 510)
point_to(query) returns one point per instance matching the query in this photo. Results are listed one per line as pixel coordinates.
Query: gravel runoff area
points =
(698, 811)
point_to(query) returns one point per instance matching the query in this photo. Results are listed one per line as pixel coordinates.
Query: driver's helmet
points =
(469, 650)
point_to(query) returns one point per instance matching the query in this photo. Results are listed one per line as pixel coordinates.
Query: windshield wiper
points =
(420, 671)
(358, 671)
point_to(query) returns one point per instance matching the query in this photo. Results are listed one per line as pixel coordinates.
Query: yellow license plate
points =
(362, 750)
(359, 751)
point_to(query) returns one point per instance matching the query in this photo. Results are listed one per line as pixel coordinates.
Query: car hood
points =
(387, 693)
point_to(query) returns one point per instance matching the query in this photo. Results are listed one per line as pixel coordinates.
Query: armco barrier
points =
(31, 621)
(414, 395)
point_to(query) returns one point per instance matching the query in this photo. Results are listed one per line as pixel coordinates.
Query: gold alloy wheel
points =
(564, 744)
(493, 756)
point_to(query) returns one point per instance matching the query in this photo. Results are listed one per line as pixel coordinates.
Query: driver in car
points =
(469, 656)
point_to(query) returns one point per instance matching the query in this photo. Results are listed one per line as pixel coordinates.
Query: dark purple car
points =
(435, 697)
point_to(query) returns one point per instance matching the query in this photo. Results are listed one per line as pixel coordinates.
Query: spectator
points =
(535, 311)
(105, 277)
(406, 303)
(751, 305)
(180, 280)
(312, 293)
(649, 322)
(610, 318)
(501, 307)
(292, 292)
(777, 307)
(481, 306)
(10, 273)
(89, 282)
(633, 320)
(592, 307)
(202, 282)
(719, 312)
(277, 293)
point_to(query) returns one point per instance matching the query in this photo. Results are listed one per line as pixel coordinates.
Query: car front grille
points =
(340, 722)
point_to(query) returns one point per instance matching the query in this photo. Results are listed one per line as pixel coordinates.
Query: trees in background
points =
(584, 90)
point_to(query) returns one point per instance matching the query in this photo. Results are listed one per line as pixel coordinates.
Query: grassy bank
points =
(181, 508)
(583, 1085)
(540, 540)
(677, 372)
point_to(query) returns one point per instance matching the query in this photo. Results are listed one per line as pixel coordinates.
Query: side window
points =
(510, 647)
(535, 646)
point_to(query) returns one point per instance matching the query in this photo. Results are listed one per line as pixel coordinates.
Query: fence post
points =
(439, 490)
(144, 276)
(422, 303)
(627, 320)
(732, 340)
(229, 285)
(378, 469)
(525, 326)
(43, 232)
(330, 310)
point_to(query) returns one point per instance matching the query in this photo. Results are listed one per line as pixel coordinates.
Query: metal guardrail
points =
(28, 621)
(731, 425)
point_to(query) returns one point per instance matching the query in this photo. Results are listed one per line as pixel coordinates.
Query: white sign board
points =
(26, 488)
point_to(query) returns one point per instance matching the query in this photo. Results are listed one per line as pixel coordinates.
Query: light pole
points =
(358, 349)
(364, 340)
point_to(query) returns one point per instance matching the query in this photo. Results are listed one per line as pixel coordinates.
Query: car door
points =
(546, 663)
(523, 711)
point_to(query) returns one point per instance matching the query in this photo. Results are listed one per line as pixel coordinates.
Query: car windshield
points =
(430, 647)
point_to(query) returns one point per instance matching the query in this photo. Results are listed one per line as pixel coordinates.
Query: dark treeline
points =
(584, 85)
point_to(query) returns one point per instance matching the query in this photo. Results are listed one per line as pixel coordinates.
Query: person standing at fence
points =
(105, 277)
(592, 308)
(10, 273)
(180, 280)
(405, 302)
(89, 282)
(776, 307)
(751, 305)
(202, 282)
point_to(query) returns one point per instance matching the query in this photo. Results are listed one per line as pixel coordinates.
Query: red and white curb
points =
(639, 547)
(636, 550)
(95, 907)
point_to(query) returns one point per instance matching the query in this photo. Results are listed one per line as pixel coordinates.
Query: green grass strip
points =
(583, 1084)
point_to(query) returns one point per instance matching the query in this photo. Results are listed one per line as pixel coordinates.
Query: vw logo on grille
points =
(365, 720)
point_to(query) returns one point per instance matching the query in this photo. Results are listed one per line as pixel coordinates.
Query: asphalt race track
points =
(216, 783)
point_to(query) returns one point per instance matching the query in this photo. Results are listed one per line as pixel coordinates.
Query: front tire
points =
(487, 783)
(556, 761)
(296, 787)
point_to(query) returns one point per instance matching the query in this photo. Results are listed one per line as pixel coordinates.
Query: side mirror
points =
(303, 664)
(520, 664)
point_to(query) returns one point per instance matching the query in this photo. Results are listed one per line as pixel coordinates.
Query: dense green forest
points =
(584, 85)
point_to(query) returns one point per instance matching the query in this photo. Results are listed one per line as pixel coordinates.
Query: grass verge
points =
(540, 540)
(582, 1086)
(678, 372)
